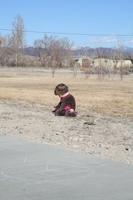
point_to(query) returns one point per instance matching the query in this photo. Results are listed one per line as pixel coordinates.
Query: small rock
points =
(126, 149)
(89, 123)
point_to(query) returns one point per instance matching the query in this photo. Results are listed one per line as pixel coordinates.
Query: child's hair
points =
(61, 89)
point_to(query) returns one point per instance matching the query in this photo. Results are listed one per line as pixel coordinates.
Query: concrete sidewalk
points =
(30, 171)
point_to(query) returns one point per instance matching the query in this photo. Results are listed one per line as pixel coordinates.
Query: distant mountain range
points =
(87, 51)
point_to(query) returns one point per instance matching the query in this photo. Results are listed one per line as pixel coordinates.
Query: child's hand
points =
(71, 110)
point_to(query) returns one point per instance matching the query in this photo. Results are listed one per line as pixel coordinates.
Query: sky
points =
(84, 22)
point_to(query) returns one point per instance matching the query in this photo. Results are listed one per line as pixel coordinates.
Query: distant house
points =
(111, 64)
(108, 65)
(83, 62)
(124, 63)
(102, 62)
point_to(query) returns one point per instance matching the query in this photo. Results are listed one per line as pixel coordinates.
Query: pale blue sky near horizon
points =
(109, 17)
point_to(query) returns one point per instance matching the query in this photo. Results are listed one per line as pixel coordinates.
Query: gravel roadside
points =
(105, 137)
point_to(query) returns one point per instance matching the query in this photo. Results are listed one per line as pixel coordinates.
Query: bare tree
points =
(120, 58)
(5, 51)
(42, 47)
(2, 45)
(17, 39)
(53, 52)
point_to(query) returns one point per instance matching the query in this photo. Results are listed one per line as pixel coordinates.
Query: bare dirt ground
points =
(103, 127)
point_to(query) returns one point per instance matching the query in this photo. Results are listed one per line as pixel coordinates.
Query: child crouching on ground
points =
(67, 104)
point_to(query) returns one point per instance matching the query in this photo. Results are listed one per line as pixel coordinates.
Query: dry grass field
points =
(111, 97)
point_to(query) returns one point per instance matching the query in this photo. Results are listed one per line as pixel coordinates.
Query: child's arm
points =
(57, 107)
